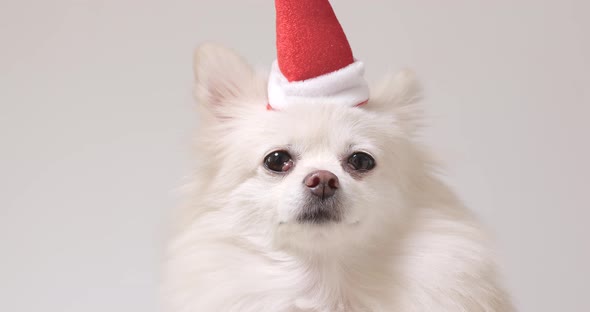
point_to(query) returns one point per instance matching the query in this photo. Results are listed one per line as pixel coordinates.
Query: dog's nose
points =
(322, 183)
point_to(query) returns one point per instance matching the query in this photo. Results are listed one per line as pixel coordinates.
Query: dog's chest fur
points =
(234, 280)
(435, 269)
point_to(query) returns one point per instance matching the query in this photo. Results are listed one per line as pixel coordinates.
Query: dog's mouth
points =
(320, 211)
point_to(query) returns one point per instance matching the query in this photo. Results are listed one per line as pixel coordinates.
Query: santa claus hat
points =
(314, 60)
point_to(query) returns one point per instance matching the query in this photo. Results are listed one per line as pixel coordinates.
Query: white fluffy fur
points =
(406, 243)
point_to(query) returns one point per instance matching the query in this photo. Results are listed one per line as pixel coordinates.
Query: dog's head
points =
(310, 176)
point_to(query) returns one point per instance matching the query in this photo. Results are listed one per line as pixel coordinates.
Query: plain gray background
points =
(96, 119)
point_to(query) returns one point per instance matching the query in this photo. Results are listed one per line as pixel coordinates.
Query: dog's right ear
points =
(399, 96)
(222, 77)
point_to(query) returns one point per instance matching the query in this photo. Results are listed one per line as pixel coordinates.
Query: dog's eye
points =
(278, 161)
(361, 161)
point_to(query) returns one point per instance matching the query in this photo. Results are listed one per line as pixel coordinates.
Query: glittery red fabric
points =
(310, 40)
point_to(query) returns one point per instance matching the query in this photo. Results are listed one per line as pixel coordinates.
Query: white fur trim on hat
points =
(346, 86)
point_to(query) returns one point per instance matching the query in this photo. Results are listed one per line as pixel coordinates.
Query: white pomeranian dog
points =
(319, 207)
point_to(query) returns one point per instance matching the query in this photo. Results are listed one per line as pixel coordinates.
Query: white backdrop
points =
(96, 119)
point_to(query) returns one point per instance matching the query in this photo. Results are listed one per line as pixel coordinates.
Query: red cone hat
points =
(314, 59)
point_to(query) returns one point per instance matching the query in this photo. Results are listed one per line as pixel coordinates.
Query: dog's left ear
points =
(399, 95)
(221, 78)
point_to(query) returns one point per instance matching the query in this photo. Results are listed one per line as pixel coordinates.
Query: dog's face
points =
(311, 176)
